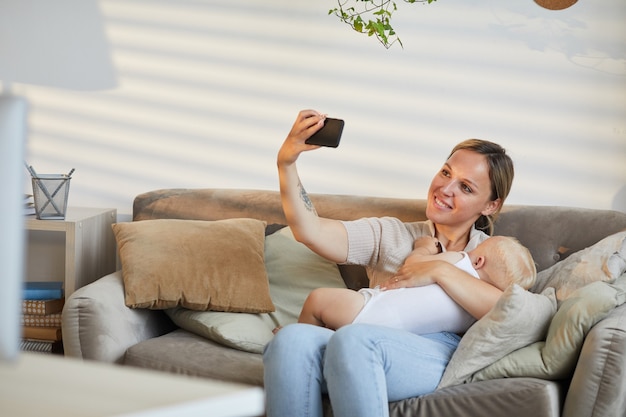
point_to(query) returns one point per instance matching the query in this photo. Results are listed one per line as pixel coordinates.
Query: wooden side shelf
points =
(77, 250)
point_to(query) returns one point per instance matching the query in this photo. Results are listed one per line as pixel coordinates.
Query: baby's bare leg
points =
(331, 307)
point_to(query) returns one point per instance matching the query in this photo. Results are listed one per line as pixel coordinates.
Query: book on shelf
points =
(43, 307)
(41, 346)
(42, 333)
(38, 320)
(42, 290)
(29, 205)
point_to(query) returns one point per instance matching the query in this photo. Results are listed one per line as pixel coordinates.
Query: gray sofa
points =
(98, 326)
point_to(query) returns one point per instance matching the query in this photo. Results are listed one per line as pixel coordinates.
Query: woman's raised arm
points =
(326, 237)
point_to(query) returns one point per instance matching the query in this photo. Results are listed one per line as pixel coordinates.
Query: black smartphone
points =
(329, 135)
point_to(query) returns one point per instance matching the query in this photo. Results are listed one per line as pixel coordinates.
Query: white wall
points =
(209, 89)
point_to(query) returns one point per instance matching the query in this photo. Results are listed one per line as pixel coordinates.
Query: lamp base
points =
(13, 111)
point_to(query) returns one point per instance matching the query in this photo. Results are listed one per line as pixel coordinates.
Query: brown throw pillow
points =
(199, 265)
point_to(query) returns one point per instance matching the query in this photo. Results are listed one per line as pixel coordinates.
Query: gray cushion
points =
(518, 319)
(557, 356)
(602, 261)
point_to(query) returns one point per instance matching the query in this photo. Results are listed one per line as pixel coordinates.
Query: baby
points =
(499, 261)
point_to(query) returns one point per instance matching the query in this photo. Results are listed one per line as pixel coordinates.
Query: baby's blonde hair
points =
(514, 261)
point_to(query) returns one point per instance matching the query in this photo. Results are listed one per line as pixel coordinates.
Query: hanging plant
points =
(372, 17)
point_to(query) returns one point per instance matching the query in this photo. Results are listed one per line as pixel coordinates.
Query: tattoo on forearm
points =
(305, 199)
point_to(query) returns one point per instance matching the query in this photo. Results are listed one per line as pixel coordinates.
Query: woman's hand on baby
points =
(413, 274)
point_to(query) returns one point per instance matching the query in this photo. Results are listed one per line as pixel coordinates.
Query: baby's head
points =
(502, 261)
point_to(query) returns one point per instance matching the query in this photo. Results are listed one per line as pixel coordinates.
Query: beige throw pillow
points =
(293, 271)
(200, 265)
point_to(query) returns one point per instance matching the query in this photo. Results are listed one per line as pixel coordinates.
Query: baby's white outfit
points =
(419, 310)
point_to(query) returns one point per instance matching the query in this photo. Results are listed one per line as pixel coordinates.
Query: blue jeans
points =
(362, 367)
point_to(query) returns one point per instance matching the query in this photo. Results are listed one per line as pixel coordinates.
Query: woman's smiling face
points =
(461, 191)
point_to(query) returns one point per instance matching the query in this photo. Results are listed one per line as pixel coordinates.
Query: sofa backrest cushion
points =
(550, 233)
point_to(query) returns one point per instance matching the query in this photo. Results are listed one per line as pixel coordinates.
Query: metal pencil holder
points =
(50, 192)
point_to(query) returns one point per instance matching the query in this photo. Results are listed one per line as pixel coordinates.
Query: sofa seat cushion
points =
(181, 352)
(518, 397)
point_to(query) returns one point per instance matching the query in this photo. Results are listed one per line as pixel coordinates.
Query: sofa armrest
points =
(598, 387)
(97, 324)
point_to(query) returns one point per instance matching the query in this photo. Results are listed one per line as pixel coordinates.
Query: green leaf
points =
(353, 12)
(358, 24)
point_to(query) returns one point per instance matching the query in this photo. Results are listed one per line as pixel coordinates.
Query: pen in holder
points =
(50, 192)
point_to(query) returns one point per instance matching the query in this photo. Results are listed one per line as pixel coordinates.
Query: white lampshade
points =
(58, 43)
